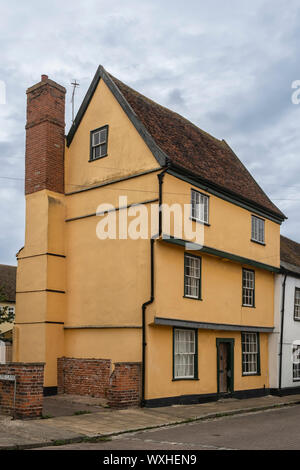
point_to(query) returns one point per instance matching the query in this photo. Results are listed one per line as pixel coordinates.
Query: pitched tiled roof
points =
(289, 251)
(195, 150)
(171, 136)
(8, 282)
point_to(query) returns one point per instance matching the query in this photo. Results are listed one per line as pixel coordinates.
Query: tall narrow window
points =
(248, 288)
(185, 354)
(192, 276)
(250, 354)
(99, 143)
(199, 206)
(257, 229)
(296, 362)
(297, 304)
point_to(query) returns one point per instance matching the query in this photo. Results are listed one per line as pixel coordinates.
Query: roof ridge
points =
(174, 139)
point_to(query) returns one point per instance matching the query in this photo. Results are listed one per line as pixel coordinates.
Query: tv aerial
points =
(75, 85)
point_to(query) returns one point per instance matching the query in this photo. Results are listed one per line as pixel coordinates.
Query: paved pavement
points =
(264, 430)
(101, 421)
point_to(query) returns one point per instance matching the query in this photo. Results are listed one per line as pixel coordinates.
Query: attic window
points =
(258, 230)
(199, 206)
(99, 143)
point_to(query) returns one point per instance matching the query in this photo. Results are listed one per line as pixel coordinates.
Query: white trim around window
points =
(297, 304)
(199, 206)
(250, 354)
(185, 354)
(257, 229)
(248, 288)
(296, 362)
(192, 276)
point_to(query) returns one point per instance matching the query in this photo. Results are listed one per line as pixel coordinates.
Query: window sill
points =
(248, 306)
(98, 158)
(296, 380)
(256, 241)
(192, 298)
(296, 319)
(252, 375)
(188, 378)
(199, 221)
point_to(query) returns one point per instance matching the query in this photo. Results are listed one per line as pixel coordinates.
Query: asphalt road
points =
(270, 430)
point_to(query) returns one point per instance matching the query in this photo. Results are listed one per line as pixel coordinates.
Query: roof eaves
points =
(290, 268)
(231, 150)
(224, 193)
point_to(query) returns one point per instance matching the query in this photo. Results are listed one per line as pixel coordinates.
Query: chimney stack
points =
(45, 137)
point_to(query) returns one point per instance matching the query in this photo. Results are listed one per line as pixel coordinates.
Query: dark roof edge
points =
(210, 326)
(227, 194)
(160, 156)
(254, 180)
(83, 107)
(289, 268)
(219, 253)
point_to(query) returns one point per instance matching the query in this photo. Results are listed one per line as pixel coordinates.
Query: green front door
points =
(225, 365)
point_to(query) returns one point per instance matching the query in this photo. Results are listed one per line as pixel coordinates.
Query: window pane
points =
(297, 304)
(99, 143)
(184, 357)
(102, 136)
(258, 229)
(199, 209)
(296, 362)
(96, 152)
(192, 276)
(250, 353)
(248, 288)
(96, 138)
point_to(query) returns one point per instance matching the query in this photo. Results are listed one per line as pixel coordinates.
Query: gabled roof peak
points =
(171, 137)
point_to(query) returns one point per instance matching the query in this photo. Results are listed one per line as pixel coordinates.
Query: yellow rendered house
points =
(149, 256)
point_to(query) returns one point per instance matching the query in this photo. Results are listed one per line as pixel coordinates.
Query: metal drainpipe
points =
(145, 304)
(281, 331)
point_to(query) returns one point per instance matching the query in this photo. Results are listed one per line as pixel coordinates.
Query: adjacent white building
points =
(284, 343)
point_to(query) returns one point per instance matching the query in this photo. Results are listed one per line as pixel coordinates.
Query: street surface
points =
(272, 429)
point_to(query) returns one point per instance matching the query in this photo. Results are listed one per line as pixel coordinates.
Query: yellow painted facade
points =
(86, 302)
(159, 379)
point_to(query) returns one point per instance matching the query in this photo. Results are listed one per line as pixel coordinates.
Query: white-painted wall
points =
(291, 333)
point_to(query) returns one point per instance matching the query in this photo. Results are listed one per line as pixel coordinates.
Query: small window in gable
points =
(99, 139)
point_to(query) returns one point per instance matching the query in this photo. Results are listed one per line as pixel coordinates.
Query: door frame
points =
(231, 342)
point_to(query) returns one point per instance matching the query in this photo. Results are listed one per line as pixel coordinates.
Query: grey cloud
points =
(226, 66)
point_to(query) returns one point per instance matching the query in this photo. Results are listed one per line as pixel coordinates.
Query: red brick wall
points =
(93, 377)
(125, 384)
(45, 140)
(83, 376)
(29, 390)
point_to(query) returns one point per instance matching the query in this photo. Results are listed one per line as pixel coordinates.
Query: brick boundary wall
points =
(83, 376)
(125, 385)
(93, 377)
(29, 390)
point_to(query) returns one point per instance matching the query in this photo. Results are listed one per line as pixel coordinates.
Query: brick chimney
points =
(45, 137)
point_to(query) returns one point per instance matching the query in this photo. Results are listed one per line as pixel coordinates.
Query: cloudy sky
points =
(228, 66)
